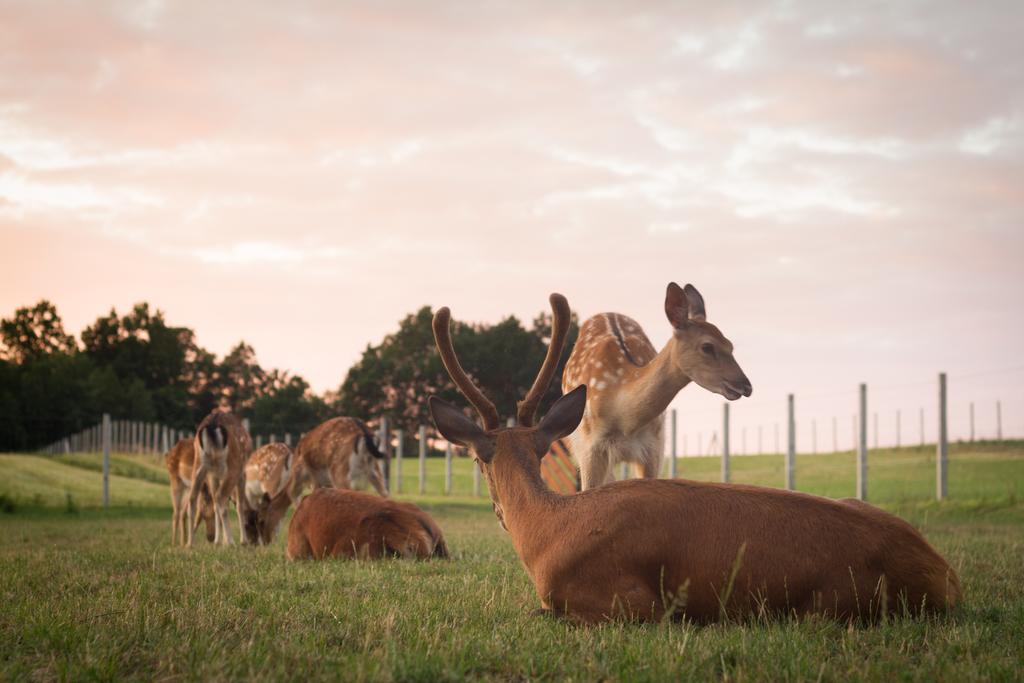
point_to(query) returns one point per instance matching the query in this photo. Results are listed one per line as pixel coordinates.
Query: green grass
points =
(100, 594)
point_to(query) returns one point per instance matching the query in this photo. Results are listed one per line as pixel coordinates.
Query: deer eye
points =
(708, 349)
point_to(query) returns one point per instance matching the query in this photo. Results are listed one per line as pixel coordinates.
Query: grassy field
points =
(100, 594)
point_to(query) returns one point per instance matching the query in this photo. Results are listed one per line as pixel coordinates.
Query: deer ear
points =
(562, 420)
(676, 308)
(694, 303)
(460, 430)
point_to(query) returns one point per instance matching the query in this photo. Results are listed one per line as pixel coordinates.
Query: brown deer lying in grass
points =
(340, 523)
(651, 549)
(266, 473)
(629, 384)
(223, 446)
(179, 461)
(341, 452)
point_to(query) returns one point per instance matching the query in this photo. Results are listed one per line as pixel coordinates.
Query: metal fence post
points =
(725, 442)
(423, 459)
(399, 454)
(790, 444)
(999, 421)
(972, 421)
(385, 442)
(942, 449)
(862, 446)
(106, 459)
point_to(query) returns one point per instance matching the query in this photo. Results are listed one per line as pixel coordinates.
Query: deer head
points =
(525, 445)
(700, 351)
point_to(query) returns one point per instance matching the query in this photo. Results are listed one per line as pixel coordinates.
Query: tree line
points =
(137, 366)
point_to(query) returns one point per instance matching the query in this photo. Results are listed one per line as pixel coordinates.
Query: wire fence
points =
(424, 463)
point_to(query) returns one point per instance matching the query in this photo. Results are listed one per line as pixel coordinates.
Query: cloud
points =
(264, 253)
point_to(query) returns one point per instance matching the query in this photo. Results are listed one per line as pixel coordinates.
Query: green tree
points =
(34, 333)
(290, 407)
(396, 377)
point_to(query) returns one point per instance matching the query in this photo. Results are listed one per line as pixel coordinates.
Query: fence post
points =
(862, 446)
(448, 469)
(259, 441)
(423, 459)
(725, 442)
(385, 442)
(672, 463)
(790, 443)
(106, 459)
(999, 421)
(942, 449)
(399, 454)
(972, 421)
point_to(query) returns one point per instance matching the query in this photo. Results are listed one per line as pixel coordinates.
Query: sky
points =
(844, 183)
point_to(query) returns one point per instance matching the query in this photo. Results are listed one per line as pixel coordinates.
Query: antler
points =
(527, 408)
(443, 339)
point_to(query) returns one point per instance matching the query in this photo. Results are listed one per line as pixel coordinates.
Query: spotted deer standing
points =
(651, 549)
(341, 453)
(629, 384)
(222, 448)
(266, 473)
(179, 461)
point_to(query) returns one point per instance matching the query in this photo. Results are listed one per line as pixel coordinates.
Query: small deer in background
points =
(650, 549)
(629, 384)
(266, 473)
(222, 448)
(179, 461)
(340, 523)
(340, 453)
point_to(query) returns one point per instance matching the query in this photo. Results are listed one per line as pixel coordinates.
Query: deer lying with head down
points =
(649, 548)
(222, 447)
(179, 461)
(629, 384)
(341, 453)
(340, 523)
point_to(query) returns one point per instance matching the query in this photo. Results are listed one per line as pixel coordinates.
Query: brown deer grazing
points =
(179, 462)
(340, 523)
(629, 384)
(265, 474)
(223, 446)
(651, 548)
(341, 452)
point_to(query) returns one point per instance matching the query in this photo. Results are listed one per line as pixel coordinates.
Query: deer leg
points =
(242, 502)
(377, 481)
(594, 470)
(322, 480)
(199, 476)
(222, 508)
(176, 495)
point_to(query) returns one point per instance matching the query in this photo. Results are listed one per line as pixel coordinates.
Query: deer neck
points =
(527, 505)
(278, 507)
(647, 390)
